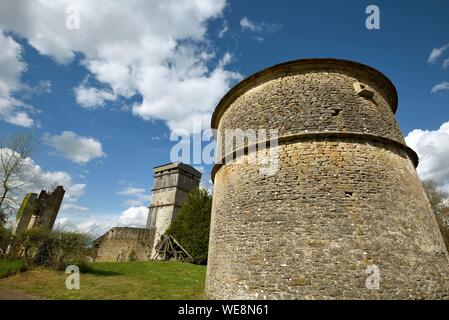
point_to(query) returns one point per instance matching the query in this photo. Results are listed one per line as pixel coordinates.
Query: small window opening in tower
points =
(349, 194)
(363, 91)
(336, 112)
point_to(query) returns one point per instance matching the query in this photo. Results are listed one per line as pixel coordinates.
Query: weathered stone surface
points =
(172, 183)
(122, 243)
(39, 211)
(337, 204)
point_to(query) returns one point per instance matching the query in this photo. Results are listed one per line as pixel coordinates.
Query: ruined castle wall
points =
(39, 211)
(50, 208)
(345, 195)
(26, 210)
(118, 243)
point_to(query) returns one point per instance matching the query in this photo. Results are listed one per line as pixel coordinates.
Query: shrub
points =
(191, 226)
(132, 255)
(27, 244)
(62, 248)
(10, 267)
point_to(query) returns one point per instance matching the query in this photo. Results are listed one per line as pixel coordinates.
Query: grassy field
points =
(121, 280)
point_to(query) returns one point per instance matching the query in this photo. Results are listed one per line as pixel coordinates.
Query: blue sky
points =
(103, 99)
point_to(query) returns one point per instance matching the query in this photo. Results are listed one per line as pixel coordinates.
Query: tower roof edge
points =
(313, 64)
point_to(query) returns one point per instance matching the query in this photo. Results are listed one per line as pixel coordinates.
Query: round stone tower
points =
(343, 215)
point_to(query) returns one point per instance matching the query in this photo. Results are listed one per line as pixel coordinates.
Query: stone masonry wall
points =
(340, 201)
(172, 183)
(311, 231)
(322, 101)
(119, 242)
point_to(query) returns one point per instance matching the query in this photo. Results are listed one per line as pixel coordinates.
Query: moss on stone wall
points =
(23, 206)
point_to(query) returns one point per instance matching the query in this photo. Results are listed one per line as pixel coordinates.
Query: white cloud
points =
(10, 115)
(131, 191)
(34, 179)
(132, 217)
(136, 196)
(223, 30)
(76, 148)
(158, 52)
(95, 227)
(47, 178)
(64, 224)
(92, 97)
(247, 24)
(206, 183)
(432, 147)
(446, 63)
(437, 53)
(42, 87)
(12, 110)
(258, 28)
(440, 87)
(42, 179)
(72, 207)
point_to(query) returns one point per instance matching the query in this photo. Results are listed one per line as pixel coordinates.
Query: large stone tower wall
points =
(345, 195)
(172, 183)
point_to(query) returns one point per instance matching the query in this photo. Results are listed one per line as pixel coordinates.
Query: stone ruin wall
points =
(346, 195)
(118, 243)
(39, 211)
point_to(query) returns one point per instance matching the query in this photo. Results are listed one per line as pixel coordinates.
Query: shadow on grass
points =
(103, 273)
(89, 269)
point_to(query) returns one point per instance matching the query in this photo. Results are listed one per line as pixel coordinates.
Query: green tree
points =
(191, 226)
(439, 201)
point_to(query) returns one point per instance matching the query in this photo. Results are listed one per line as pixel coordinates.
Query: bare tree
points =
(15, 175)
(439, 202)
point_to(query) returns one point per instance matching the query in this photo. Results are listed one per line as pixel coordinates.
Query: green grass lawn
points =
(115, 280)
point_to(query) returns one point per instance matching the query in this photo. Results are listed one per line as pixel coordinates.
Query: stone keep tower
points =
(345, 207)
(172, 183)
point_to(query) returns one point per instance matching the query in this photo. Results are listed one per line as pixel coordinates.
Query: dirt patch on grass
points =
(8, 294)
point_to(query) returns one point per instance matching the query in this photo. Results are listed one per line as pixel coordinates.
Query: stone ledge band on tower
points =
(318, 135)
